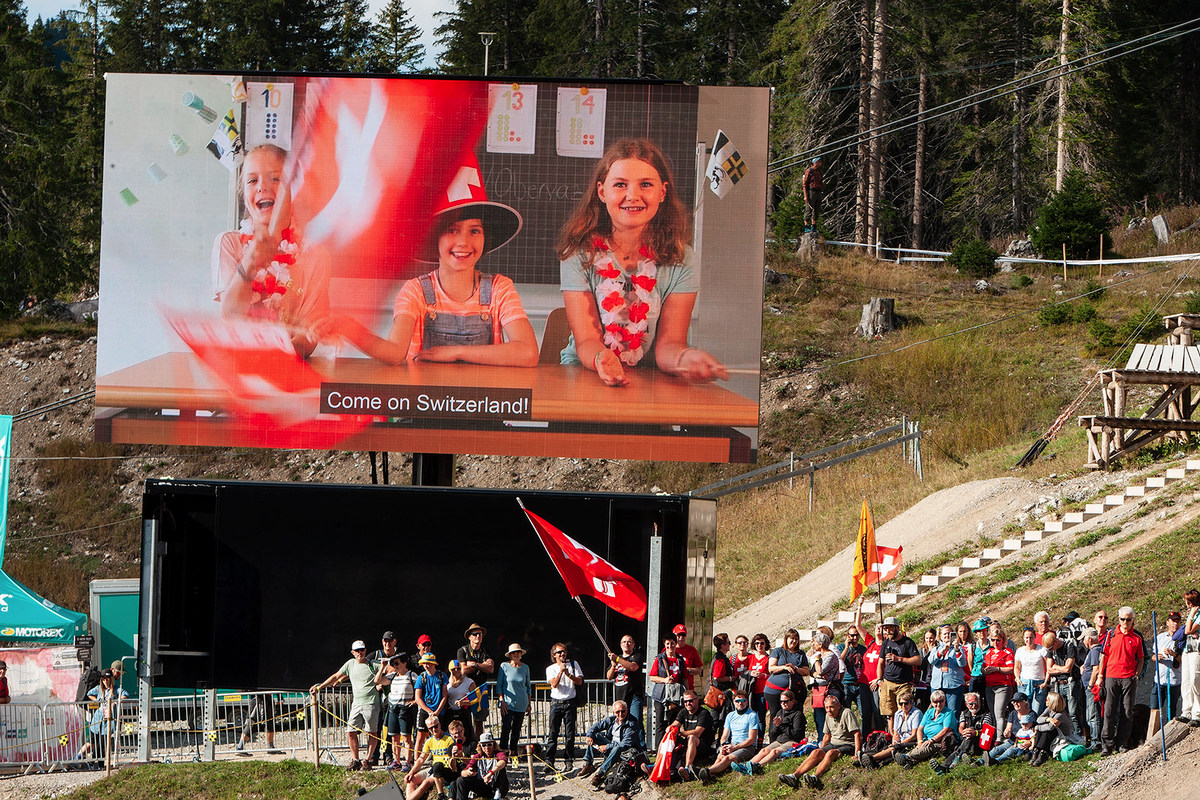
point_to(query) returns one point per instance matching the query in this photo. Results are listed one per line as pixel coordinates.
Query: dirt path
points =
(940, 522)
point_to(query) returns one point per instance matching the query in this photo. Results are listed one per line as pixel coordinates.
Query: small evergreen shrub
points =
(1073, 216)
(1192, 304)
(975, 258)
(1084, 312)
(788, 224)
(1058, 314)
(1094, 291)
(1023, 281)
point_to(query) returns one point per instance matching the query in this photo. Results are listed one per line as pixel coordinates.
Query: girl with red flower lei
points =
(628, 277)
(261, 271)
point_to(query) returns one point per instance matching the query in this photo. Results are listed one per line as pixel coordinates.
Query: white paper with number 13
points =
(580, 128)
(512, 117)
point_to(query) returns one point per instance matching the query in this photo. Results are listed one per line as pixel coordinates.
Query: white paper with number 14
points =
(580, 123)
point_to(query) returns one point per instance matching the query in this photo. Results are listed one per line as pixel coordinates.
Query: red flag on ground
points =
(586, 573)
(662, 763)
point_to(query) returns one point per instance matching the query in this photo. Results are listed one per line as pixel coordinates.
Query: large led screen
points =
(542, 268)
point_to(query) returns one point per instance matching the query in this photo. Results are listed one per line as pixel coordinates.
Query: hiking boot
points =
(738, 767)
(684, 775)
(902, 760)
(354, 765)
(813, 782)
(705, 776)
(986, 759)
(789, 780)
(585, 770)
(597, 780)
(755, 769)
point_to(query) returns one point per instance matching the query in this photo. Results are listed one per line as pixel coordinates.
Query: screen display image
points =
(542, 268)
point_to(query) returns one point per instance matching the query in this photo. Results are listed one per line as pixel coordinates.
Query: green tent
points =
(26, 617)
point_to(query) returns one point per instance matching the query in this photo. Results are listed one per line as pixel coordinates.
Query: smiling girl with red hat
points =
(456, 312)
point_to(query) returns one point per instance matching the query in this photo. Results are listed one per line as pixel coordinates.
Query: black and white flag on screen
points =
(725, 166)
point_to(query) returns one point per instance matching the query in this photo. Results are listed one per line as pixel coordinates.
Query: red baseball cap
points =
(679, 629)
(424, 639)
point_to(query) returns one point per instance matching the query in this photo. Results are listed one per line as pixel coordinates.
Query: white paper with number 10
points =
(580, 128)
(269, 114)
(512, 117)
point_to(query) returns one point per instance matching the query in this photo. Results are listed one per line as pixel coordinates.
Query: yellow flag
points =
(865, 554)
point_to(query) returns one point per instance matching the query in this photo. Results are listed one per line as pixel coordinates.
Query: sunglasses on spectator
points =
(560, 652)
(1126, 619)
(690, 700)
(743, 641)
(906, 702)
(787, 700)
(739, 700)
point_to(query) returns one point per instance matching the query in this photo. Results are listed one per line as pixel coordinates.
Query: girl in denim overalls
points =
(456, 312)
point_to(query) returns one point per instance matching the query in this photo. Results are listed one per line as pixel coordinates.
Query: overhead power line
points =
(993, 93)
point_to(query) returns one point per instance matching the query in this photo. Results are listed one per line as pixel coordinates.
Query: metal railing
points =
(207, 726)
(909, 440)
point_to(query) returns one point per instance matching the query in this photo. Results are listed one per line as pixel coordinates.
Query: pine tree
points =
(352, 37)
(395, 41)
(37, 253)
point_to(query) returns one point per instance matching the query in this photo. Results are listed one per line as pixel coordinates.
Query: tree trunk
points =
(1018, 124)
(918, 206)
(878, 318)
(641, 39)
(864, 120)
(1060, 161)
(878, 66)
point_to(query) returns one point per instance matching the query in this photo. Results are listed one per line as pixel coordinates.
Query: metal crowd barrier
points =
(205, 726)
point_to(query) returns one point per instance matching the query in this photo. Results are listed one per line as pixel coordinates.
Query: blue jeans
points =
(562, 714)
(1036, 694)
(637, 706)
(611, 755)
(1006, 750)
(954, 700)
(1093, 717)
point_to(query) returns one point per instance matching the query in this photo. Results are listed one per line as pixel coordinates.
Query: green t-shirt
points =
(362, 680)
(841, 729)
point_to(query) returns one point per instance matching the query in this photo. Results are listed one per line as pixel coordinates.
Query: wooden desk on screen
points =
(655, 417)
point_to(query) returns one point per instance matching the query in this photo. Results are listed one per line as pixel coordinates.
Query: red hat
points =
(679, 629)
(424, 639)
(467, 199)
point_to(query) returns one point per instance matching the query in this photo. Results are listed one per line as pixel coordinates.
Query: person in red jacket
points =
(695, 664)
(1120, 664)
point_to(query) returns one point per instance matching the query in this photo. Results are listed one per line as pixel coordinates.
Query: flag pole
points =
(599, 635)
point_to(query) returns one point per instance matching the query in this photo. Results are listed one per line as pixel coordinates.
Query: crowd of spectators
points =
(966, 693)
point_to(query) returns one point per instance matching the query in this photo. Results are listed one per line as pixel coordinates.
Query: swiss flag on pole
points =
(987, 736)
(666, 749)
(586, 573)
(890, 559)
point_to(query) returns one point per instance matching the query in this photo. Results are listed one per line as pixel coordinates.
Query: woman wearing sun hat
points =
(515, 691)
(456, 312)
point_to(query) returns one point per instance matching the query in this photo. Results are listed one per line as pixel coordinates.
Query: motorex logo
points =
(33, 633)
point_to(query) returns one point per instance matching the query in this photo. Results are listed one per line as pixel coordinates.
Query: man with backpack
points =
(615, 737)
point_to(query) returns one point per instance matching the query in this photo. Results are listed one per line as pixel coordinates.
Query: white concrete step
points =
(1011, 545)
(1156, 483)
(844, 617)
(931, 580)
(1192, 465)
(1114, 500)
(950, 572)
(1033, 536)
(909, 589)
(1176, 474)
(1094, 508)
(869, 607)
(1055, 526)
(826, 622)
(991, 554)
(971, 563)
(889, 598)
(1135, 491)
(1073, 518)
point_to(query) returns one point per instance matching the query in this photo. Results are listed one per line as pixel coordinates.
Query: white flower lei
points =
(276, 269)
(619, 340)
